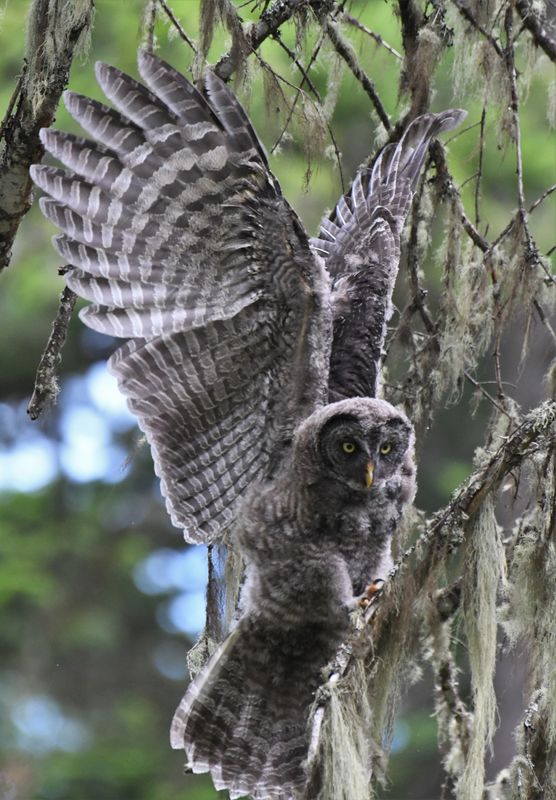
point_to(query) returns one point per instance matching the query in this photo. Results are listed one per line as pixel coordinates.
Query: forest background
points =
(99, 597)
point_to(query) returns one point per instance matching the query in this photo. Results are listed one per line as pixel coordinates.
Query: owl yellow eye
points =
(348, 447)
(385, 448)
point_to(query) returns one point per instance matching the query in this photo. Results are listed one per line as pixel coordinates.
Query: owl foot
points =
(370, 593)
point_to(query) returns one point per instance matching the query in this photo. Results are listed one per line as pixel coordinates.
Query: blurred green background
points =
(100, 599)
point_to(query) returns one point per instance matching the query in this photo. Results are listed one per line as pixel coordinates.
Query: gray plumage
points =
(304, 534)
(251, 358)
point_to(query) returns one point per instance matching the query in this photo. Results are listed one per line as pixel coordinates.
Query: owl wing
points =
(360, 245)
(179, 236)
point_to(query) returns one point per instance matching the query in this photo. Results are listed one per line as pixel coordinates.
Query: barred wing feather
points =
(360, 245)
(180, 239)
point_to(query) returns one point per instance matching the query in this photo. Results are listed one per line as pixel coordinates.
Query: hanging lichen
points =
(221, 12)
(341, 744)
(484, 570)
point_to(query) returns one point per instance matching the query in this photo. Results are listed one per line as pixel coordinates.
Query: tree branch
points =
(376, 36)
(46, 386)
(344, 50)
(532, 21)
(55, 31)
(468, 15)
(442, 534)
(279, 12)
(177, 25)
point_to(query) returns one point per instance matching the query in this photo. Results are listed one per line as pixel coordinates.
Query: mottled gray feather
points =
(360, 244)
(180, 239)
(312, 540)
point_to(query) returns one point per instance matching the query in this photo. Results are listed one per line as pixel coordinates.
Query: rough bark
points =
(56, 30)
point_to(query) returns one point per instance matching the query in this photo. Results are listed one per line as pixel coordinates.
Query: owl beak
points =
(369, 473)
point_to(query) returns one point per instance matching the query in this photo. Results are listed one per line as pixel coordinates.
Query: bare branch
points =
(305, 73)
(46, 387)
(542, 198)
(438, 155)
(486, 394)
(376, 36)
(480, 168)
(345, 51)
(512, 73)
(305, 78)
(177, 25)
(544, 319)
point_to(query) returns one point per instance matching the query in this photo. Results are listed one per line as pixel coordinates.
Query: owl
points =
(251, 361)
(244, 718)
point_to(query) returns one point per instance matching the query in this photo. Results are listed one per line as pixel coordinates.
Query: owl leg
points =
(370, 594)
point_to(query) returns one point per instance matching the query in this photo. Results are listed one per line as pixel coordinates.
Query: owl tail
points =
(244, 717)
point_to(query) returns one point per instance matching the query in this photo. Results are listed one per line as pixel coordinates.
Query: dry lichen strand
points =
(532, 600)
(484, 572)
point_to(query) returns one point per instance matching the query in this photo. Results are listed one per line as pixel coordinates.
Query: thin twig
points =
(497, 365)
(46, 387)
(419, 294)
(306, 79)
(514, 105)
(297, 96)
(467, 15)
(482, 389)
(438, 155)
(480, 169)
(459, 133)
(13, 100)
(177, 25)
(468, 180)
(511, 224)
(542, 198)
(531, 254)
(544, 319)
(376, 36)
(304, 72)
(482, 243)
(344, 50)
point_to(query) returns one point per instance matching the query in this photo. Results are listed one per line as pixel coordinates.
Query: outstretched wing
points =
(360, 245)
(179, 236)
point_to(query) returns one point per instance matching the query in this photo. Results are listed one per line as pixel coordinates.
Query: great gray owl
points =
(251, 358)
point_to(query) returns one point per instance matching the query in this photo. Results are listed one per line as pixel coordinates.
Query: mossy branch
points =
(536, 27)
(46, 385)
(55, 32)
(381, 630)
(271, 20)
(345, 51)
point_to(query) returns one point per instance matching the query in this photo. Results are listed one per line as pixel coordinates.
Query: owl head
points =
(355, 447)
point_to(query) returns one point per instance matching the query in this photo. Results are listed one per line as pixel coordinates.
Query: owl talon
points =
(370, 593)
